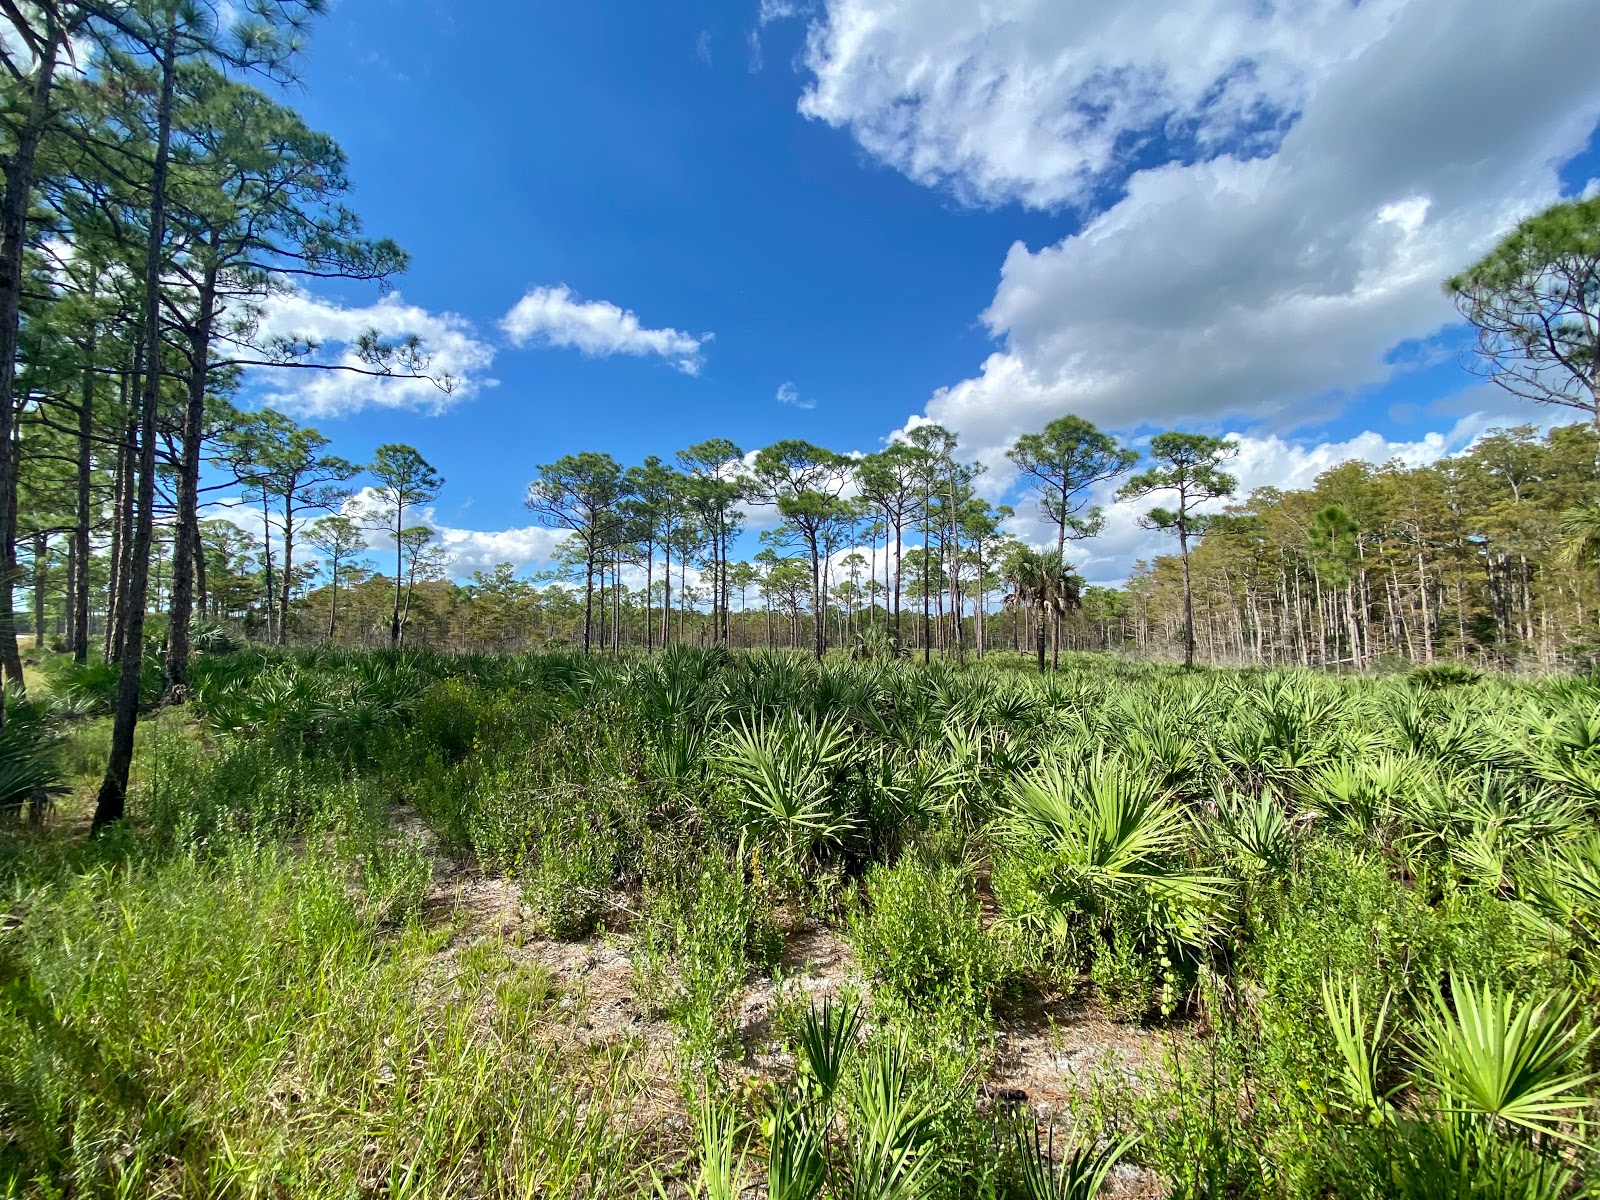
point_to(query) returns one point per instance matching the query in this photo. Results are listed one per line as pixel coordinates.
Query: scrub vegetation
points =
(709, 923)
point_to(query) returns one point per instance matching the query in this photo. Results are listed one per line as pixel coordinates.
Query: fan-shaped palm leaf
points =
(1520, 1062)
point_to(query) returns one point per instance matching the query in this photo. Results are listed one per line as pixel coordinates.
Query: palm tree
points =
(1580, 531)
(1044, 580)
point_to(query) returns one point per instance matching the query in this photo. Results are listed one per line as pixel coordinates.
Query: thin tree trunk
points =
(287, 580)
(270, 601)
(333, 600)
(899, 544)
(70, 601)
(83, 515)
(819, 629)
(112, 800)
(125, 518)
(41, 580)
(666, 589)
(588, 593)
(1427, 619)
(185, 550)
(1188, 598)
(927, 582)
(114, 562)
(399, 567)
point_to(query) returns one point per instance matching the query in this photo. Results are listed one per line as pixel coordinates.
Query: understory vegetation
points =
(1354, 920)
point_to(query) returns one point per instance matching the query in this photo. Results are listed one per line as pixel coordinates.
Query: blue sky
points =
(1214, 215)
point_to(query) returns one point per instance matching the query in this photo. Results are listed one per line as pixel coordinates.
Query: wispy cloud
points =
(790, 395)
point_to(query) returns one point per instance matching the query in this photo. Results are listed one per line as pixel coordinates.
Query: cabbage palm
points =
(1045, 582)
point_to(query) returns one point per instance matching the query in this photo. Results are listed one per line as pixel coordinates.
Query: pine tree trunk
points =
(70, 602)
(1427, 619)
(287, 581)
(114, 562)
(333, 600)
(83, 515)
(399, 568)
(112, 800)
(819, 628)
(41, 580)
(186, 549)
(666, 589)
(588, 594)
(269, 602)
(1188, 597)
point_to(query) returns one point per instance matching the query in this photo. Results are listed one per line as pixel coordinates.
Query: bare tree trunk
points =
(399, 569)
(41, 580)
(185, 549)
(588, 593)
(333, 601)
(70, 601)
(1427, 619)
(1188, 598)
(83, 515)
(649, 593)
(666, 590)
(287, 581)
(270, 600)
(112, 800)
(819, 612)
(125, 518)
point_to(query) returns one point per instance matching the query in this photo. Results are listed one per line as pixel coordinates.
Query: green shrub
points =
(694, 949)
(920, 939)
(576, 866)
(1096, 865)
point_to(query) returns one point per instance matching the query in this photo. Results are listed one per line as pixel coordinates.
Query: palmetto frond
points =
(1079, 1175)
(892, 1152)
(785, 772)
(1520, 1062)
(1107, 835)
(1360, 1041)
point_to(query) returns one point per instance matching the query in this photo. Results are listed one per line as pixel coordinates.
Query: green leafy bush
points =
(699, 938)
(920, 940)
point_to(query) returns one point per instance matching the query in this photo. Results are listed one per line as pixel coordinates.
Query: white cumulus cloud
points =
(554, 316)
(450, 342)
(1271, 193)
(1042, 100)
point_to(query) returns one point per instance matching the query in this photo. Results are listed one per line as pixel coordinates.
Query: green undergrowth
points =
(1352, 920)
